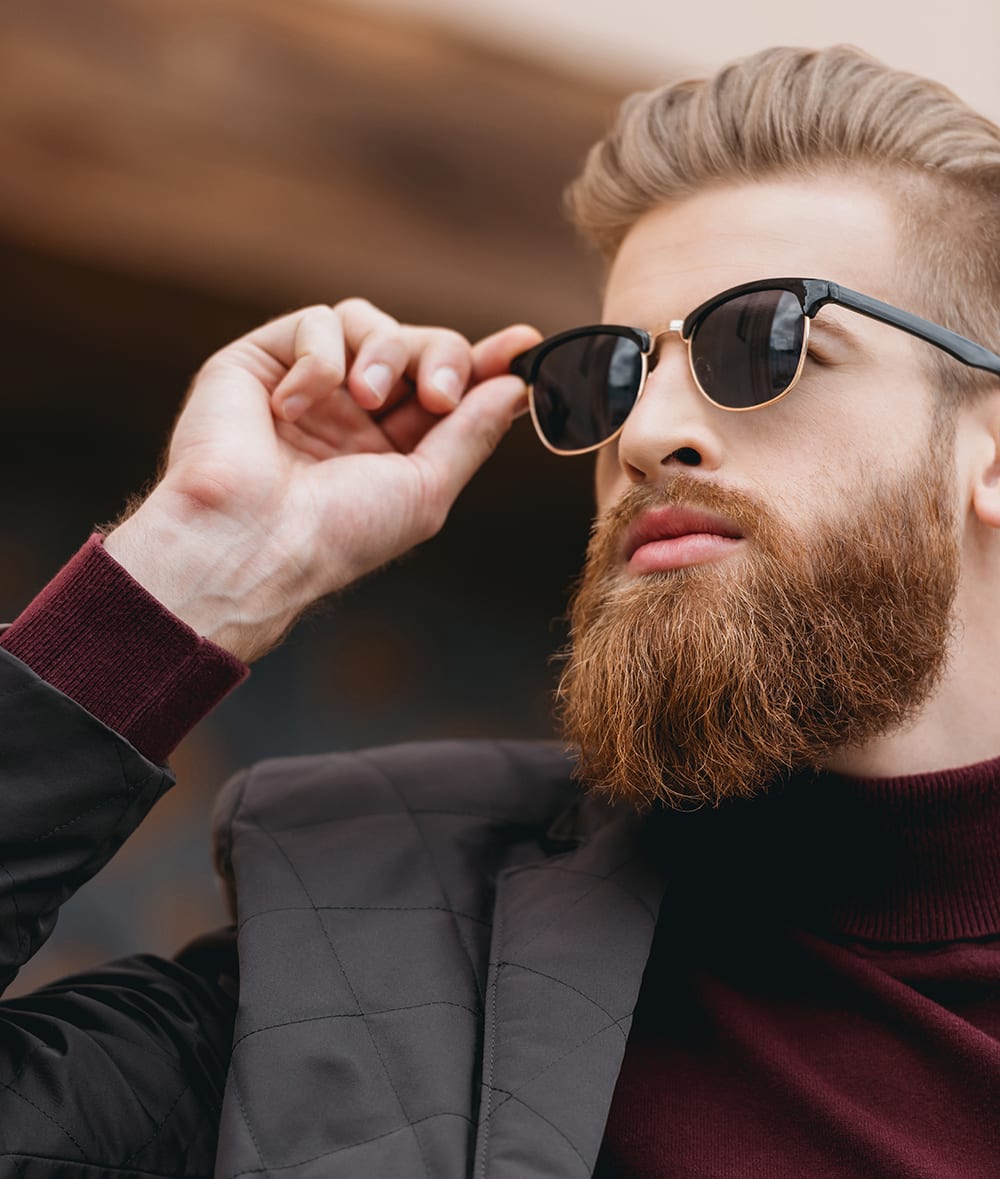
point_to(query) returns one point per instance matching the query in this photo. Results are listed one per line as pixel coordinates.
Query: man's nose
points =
(672, 425)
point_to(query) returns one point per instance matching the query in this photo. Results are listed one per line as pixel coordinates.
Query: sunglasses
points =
(746, 347)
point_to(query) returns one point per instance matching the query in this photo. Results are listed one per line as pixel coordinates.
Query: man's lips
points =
(674, 536)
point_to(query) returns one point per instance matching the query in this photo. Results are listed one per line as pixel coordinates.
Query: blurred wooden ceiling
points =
(284, 153)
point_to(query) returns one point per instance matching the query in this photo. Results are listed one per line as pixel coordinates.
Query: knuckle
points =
(451, 339)
(447, 347)
(364, 314)
(387, 344)
(315, 311)
(316, 317)
(353, 303)
(323, 369)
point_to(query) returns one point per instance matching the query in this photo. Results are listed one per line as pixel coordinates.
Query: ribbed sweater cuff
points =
(103, 640)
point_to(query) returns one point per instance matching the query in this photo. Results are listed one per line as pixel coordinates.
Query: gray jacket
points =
(440, 947)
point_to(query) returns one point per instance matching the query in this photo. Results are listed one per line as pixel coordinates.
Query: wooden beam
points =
(296, 152)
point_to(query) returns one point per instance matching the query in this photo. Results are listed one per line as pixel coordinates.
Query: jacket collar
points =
(571, 937)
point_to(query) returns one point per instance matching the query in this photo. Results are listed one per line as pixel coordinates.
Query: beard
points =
(694, 685)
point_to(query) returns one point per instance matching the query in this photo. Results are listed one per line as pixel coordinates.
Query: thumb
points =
(492, 355)
(460, 443)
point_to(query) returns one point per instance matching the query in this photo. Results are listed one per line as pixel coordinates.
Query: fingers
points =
(334, 427)
(356, 351)
(318, 362)
(380, 351)
(432, 364)
(358, 348)
(443, 369)
(353, 347)
(407, 424)
(492, 355)
(458, 445)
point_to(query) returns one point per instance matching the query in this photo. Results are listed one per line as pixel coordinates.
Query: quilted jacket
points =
(439, 948)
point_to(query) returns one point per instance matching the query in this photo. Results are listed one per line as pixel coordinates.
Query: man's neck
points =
(960, 724)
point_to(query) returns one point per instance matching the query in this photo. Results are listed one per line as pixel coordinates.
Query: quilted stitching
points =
(48, 1117)
(437, 876)
(158, 1129)
(408, 820)
(100, 1170)
(287, 1023)
(130, 790)
(571, 1051)
(540, 909)
(353, 991)
(247, 817)
(348, 1146)
(361, 909)
(552, 1126)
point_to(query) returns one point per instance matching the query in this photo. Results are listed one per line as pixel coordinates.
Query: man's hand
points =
(309, 452)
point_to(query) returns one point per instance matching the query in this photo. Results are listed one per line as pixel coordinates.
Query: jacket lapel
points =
(570, 941)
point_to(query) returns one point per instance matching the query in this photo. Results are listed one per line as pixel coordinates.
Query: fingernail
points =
(448, 383)
(379, 378)
(294, 407)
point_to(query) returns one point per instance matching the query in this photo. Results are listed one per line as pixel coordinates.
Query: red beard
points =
(705, 683)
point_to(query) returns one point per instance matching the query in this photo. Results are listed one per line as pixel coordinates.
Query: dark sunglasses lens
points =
(746, 351)
(584, 389)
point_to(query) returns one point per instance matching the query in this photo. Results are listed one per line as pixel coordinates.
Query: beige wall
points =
(956, 42)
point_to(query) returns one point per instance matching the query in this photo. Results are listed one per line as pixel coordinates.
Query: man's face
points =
(863, 400)
(810, 605)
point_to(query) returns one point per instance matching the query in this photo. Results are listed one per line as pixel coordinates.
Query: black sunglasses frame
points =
(812, 294)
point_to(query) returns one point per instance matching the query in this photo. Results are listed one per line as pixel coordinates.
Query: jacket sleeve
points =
(71, 792)
(118, 1067)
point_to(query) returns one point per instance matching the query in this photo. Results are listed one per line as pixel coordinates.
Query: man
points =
(781, 691)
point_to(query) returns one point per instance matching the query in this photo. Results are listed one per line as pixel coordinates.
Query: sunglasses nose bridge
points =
(671, 425)
(675, 325)
(655, 355)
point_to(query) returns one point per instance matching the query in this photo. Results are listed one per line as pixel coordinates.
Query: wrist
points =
(210, 570)
(98, 637)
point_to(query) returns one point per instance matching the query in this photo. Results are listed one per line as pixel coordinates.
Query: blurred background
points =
(175, 171)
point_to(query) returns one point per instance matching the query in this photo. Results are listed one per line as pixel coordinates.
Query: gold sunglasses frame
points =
(811, 294)
(651, 355)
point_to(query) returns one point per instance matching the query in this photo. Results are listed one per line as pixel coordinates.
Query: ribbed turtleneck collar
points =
(894, 860)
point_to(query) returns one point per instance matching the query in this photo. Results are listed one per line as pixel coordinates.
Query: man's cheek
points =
(609, 480)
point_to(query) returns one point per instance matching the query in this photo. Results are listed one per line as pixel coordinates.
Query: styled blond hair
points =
(799, 112)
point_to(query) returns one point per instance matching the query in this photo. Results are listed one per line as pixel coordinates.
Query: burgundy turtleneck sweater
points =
(822, 1000)
(823, 995)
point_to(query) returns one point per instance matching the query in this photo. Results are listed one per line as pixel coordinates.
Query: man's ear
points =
(986, 473)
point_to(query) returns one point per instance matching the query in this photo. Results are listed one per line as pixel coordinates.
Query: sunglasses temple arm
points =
(959, 347)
